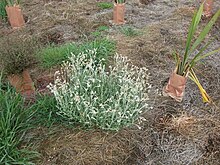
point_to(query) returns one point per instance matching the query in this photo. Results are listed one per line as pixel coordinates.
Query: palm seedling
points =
(192, 55)
(185, 65)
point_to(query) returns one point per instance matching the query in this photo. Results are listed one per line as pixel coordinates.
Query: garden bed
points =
(171, 132)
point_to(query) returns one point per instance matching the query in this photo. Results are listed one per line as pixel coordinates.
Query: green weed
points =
(129, 31)
(55, 55)
(103, 28)
(105, 5)
(46, 111)
(3, 13)
(99, 31)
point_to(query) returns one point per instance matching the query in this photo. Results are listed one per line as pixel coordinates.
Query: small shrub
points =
(14, 122)
(105, 5)
(17, 53)
(88, 95)
(55, 55)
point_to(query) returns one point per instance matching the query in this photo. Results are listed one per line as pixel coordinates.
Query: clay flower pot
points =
(175, 87)
(15, 16)
(119, 13)
(208, 5)
(23, 84)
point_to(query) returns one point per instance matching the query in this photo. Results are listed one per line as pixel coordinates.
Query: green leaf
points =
(208, 54)
(195, 21)
(205, 31)
(176, 58)
(120, 1)
(193, 61)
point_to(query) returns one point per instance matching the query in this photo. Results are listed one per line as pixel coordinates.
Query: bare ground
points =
(173, 133)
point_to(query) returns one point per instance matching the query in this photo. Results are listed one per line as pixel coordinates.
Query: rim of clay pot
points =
(177, 75)
(175, 70)
(14, 6)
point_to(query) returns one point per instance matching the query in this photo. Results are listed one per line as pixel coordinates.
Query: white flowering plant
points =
(89, 95)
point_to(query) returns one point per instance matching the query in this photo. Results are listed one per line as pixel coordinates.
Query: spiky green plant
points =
(186, 64)
(15, 120)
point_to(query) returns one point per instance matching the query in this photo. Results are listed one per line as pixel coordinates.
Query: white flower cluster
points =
(87, 94)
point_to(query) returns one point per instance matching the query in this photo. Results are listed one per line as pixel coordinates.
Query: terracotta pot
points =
(119, 13)
(175, 87)
(208, 5)
(23, 84)
(15, 16)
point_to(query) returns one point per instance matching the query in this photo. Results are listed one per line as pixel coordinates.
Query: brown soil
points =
(173, 133)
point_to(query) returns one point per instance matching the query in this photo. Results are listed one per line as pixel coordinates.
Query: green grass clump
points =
(3, 14)
(99, 31)
(15, 120)
(46, 111)
(103, 28)
(105, 5)
(129, 31)
(55, 55)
